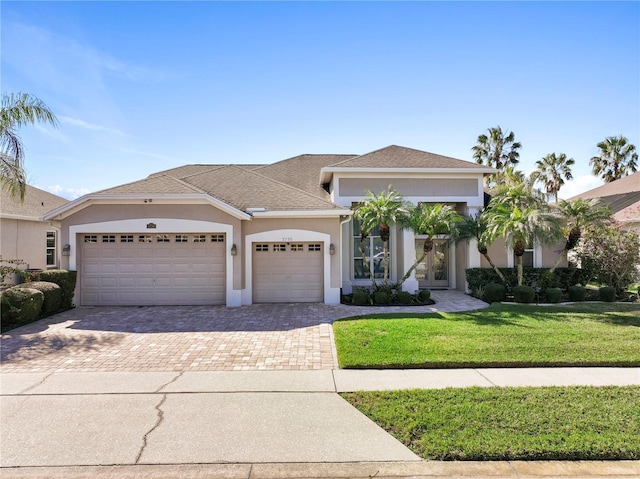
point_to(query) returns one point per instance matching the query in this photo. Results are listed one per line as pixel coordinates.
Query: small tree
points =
(610, 255)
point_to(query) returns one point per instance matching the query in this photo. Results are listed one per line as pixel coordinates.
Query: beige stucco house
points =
(243, 234)
(24, 235)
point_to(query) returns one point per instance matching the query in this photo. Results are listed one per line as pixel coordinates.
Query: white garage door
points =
(152, 269)
(288, 273)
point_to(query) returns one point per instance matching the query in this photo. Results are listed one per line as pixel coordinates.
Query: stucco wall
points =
(26, 240)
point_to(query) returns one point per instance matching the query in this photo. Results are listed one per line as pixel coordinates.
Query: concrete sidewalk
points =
(246, 424)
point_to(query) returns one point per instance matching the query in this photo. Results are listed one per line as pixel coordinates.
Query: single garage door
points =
(152, 269)
(288, 273)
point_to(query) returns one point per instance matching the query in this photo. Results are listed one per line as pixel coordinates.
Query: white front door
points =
(433, 271)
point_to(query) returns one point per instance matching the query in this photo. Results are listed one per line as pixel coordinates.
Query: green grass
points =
(585, 334)
(552, 423)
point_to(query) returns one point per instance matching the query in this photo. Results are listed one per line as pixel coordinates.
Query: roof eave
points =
(327, 172)
(303, 213)
(91, 199)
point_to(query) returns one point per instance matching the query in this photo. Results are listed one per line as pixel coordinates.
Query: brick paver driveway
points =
(189, 338)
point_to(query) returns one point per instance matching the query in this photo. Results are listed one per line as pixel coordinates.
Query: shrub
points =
(494, 293)
(360, 298)
(424, 295)
(52, 296)
(385, 288)
(21, 305)
(381, 297)
(404, 297)
(553, 295)
(524, 294)
(577, 293)
(562, 277)
(67, 282)
(607, 294)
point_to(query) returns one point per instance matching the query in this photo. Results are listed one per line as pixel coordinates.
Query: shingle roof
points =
(164, 185)
(244, 189)
(181, 172)
(622, 196)
(628, 184)
(401, 157)
(37, 202)
(302, 172)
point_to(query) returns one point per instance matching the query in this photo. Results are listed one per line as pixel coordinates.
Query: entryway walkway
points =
(192, 338)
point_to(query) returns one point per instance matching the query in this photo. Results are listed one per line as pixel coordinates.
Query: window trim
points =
(53, 249)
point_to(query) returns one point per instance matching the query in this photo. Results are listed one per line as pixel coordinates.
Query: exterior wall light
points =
(234, 250)
(66, 250)
(332, 249)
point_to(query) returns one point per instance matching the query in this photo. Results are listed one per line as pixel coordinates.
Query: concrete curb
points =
(368, 470)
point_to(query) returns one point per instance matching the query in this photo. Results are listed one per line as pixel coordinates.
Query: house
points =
(243, 234)
(622, 196)
(23, 233)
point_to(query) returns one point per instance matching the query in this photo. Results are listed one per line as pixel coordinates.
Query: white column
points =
(409, 248)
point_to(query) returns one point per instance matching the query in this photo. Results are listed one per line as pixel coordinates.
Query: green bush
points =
(404, 297)
(67, 282)
(562, 277)
(381, 297)
(360, 298)
(553, 295)
(494, 293)
(424, 295)
(52, 296)
(21, 305)
(607, 294)
(577, 293)
(524, 294)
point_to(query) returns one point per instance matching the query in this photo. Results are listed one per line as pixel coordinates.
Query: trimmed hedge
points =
(67, 282)
(494, 293)
(404, 297)
(424, 295)
(577, 293)
(52, 296)
(524, 294)
(21, 305)
(553, 295)
(381, 297)
(562, 278)
(360, 298)
(607, 294)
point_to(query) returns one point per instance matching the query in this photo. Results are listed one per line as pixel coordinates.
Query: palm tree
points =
(578, 214)
(429, 220)
(382, 210)
(551, 171)
(475, 228)
(18, 110)
(523, 226)
(496, 149)
(519, 194)
(617, 159)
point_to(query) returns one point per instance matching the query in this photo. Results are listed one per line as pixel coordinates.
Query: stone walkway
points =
(192, 338)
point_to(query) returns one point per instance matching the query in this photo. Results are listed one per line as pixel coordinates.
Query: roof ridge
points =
(149, 178)
(306, 154)
(368, 153)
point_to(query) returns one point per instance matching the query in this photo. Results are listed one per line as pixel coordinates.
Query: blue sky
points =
(140, 87)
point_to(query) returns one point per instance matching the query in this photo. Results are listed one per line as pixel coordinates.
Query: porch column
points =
(409, 249)
(473, 255)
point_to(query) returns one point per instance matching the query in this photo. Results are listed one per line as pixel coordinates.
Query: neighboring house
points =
(243, 234)
(23, 233)
(622, 196)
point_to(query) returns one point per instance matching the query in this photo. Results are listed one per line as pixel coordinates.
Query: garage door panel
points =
(152, 273)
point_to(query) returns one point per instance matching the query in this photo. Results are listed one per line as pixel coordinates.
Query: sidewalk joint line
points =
(485, 377)
(513, 468)
(155, 426)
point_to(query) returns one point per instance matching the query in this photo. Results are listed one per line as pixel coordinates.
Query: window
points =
(217, 238)
(280, 247)
(126, 238)
(90, 238)
(527, 257)
(144, 239)
(163, 239)
(199, 238)
(262, 247)
(51, 248)
(315, 247)
(373, 254)
(182, 238)
(297, 247)
(108, 238)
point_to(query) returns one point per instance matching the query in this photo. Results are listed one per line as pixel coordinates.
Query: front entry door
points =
(433, 272)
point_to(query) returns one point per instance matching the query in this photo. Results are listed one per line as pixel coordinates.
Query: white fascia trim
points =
(163, 225)
(21, 217)
(303, 214)
(194, 198)
(331, 295)
(327, 172)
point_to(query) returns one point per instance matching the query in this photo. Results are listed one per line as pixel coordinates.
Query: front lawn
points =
(583, 334)
(485, 424)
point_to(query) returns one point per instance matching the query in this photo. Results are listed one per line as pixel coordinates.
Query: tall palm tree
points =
(578, 214)
(519, 194)
(551, 171)
(17, 110)
(382, 210)
(496, 149)
(475, 228)
(617, 158)
(430, 220)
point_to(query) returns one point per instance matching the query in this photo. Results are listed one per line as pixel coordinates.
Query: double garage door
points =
(288, 273)
(152, 269)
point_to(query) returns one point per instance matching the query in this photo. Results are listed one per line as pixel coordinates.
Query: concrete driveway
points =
(191, 338)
